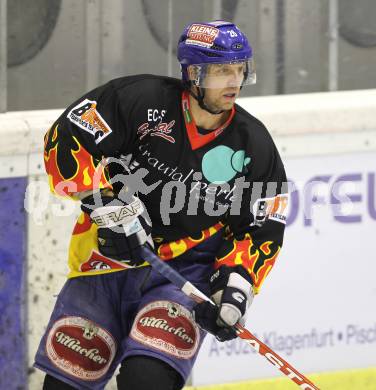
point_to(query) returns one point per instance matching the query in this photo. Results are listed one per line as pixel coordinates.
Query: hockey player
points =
(177, 166)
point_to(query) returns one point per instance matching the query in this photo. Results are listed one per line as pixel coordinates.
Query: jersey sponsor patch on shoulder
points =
(80, 348)
(167, 326)
(274, 208)
(86, 117)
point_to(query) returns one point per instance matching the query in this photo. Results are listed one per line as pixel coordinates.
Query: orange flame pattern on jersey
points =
(87, 175)
(254, 260)
(173, 249)
(83, 224)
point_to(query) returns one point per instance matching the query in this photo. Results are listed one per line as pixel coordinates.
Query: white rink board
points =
(317, 308)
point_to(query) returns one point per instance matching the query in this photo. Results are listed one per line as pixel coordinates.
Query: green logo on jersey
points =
(221, 164)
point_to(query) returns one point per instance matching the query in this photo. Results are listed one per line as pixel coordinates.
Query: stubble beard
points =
(218, 106)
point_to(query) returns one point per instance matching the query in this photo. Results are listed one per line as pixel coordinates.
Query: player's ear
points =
(193, 72)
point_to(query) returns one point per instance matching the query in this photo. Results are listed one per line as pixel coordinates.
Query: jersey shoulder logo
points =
(85, 116)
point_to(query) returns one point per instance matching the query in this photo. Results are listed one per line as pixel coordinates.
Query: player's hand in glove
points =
(232, 292)
(122, 226)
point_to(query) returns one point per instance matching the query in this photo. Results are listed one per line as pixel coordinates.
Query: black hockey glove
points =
(122, 226)
(232, 292)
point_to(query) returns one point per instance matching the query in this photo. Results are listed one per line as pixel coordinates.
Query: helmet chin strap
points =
(200, 99)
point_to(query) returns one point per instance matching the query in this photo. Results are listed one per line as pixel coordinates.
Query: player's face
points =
(223, 85)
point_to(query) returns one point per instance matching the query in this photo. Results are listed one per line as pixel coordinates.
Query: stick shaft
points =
(193, 292)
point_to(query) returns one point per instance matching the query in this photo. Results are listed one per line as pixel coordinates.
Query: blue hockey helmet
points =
(218, 42)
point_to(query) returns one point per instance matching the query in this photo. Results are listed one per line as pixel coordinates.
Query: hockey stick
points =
(191, 291)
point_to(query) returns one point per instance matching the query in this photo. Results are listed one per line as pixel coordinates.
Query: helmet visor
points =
(223, 75)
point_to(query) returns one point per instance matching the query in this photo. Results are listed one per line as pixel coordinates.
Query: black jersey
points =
(193, 183)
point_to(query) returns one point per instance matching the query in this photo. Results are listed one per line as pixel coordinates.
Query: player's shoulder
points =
(130, 90)
(257, 139)
(252, 126)
(248, 119)
(144, 84)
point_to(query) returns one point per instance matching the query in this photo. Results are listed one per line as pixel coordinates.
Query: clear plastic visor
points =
(235, 74)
